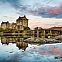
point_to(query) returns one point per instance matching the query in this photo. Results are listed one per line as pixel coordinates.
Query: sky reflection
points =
(33, 53)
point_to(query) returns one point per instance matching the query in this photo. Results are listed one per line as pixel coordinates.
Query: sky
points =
(41, 13)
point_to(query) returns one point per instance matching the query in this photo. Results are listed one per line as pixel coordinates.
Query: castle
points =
(20, 24)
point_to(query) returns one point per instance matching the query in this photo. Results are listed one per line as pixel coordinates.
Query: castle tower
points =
(5, 25)
(21, 22)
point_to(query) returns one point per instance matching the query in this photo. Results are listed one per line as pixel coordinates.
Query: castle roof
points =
(55, 28)
(5, 22)
(21, 18)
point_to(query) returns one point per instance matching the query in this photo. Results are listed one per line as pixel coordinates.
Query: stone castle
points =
(20, 24)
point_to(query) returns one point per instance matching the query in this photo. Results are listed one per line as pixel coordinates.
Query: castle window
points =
(18, 27)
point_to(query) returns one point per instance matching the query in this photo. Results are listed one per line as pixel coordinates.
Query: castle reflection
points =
(18, 41)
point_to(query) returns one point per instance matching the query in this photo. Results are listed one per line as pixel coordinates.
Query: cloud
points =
(7, 12)
(48, 12)
(36, 8)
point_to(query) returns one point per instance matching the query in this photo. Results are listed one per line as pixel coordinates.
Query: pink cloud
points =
(55, 10)
(34, 24)
(47, 23)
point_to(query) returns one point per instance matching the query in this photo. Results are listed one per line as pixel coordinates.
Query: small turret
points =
(24, 16)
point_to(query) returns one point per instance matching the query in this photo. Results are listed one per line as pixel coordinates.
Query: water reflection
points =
(20, 51)
(22, 45)
(18, 41)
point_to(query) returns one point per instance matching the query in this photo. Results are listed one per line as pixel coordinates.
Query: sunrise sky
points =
(42, 13)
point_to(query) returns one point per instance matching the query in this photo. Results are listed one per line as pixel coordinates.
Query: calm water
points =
(32, 53)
